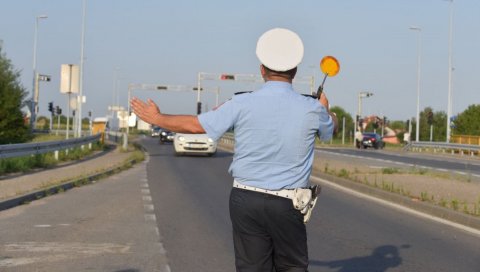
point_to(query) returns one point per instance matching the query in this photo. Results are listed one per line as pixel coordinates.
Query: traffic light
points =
(44, 78)
(89, 113)
(58, 110)
(408, 125)
(384, 120)
(227, 77)
(50, 107)
(199, 107)
(73, 112)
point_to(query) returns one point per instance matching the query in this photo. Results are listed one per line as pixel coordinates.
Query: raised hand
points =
(147, 111)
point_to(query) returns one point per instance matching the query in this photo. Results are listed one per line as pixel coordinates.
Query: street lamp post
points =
(360, 96)
(33, 102)
(80, 89)
(419, 49)
(449, 103)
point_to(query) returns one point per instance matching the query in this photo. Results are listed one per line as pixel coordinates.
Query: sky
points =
(170, 42)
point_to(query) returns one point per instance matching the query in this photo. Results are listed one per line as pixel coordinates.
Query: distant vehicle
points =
(372, 140)
(166, 136)
(155, 131)
(194, 143)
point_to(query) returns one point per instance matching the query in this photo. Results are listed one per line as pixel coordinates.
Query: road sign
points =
(69, 78)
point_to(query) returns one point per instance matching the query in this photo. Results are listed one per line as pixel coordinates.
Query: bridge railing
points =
(19, 150)
(444, 147)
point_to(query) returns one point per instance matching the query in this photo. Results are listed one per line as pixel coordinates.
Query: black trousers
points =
(268, 233)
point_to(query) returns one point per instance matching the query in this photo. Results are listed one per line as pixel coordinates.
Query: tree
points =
(340, 112)
(12, 124)
(439, 126)
(468, 122)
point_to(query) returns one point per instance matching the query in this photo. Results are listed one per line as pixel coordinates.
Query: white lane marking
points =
(12, 262)
(144, 185)
(58, 251)
(398, 207)
(83, 248)
(150, 217)
(42, 226)
(147, 198)
(64, 225)
(146, 191)
(148, 207)
(395, 162)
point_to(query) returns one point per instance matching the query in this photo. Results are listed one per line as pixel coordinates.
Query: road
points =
(183, 224)
(346, 233)
(458, 164)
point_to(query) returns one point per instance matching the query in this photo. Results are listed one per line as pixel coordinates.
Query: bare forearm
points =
(179, 123)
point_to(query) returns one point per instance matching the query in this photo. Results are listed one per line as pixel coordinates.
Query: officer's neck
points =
(278, 78)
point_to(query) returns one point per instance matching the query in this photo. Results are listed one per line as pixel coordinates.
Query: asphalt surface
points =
(171, 214)
(106, 226)
(457, 164)
(346, 233)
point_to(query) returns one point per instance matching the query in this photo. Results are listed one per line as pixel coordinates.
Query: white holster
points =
(304, 200)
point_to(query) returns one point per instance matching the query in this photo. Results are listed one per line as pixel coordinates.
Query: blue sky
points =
(169, 42)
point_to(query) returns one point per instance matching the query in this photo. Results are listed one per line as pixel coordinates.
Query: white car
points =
(194, 143)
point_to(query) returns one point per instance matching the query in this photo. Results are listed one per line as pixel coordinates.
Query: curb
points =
(76, 182)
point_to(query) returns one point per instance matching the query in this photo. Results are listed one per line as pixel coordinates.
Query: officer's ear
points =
(263, 71)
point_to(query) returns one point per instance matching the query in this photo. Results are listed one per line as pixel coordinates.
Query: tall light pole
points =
(359, 112)
(360, 96)
(450, 69)
(33, 102)
(80, 87)
(419, 54)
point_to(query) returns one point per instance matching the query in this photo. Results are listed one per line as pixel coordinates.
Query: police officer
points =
(275, 130)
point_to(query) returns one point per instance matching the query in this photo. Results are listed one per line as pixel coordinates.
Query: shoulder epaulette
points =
(237, 93)
(310, 95)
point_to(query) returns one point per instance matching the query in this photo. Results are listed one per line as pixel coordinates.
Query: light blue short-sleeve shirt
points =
(275, 130)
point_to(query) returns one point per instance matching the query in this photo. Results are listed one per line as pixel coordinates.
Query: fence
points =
(444, 147)
(465, 139)
(18, 150)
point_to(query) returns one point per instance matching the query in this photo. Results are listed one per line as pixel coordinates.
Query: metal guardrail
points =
(441, 146)
(18, 150)
(228, 138)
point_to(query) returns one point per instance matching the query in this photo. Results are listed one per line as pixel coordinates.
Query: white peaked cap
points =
(280, 49)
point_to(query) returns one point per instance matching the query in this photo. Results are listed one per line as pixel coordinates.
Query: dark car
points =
(166, 136)
(155, 131)
(372, 140)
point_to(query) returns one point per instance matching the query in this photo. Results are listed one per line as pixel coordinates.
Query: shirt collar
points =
(278, 85)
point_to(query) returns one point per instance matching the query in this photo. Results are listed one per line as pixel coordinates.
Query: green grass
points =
(390, 170)
(47, 137)
(46, 160)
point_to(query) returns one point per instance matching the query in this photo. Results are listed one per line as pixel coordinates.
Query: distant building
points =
(141, 125)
